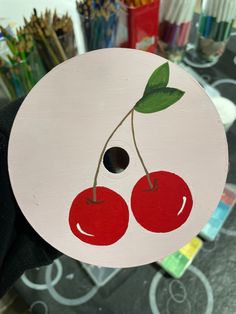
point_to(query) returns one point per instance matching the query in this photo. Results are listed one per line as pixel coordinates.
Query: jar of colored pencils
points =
(215, 25)
(19, 74)
(99, 21)
(175, 24)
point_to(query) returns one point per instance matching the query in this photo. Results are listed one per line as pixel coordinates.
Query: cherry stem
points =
(105, 146)
(103, 151)
(138, 152)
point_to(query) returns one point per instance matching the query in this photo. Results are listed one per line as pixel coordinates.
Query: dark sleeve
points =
(21, 247)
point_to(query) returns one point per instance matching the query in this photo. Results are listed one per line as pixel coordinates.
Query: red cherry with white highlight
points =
(166, 206)
(102, 222)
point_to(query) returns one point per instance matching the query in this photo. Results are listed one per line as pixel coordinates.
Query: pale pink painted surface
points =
(59, 133)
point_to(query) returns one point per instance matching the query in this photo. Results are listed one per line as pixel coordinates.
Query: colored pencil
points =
(175, 23)
(137, 3)
(99, 20)
(45, 39)
(217, 19)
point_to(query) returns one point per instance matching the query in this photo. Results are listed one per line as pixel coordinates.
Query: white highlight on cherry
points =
(183, 204)
(83, 232)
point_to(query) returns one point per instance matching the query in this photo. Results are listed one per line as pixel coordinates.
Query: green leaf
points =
(158, 100)
(158, 79)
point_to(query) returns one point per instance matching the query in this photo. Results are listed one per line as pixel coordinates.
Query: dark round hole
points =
(116, 159)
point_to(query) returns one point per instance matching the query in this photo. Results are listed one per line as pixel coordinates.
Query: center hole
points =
(116, 159)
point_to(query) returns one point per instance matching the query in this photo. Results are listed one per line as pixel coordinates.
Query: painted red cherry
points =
(102, 222)
(165, 207)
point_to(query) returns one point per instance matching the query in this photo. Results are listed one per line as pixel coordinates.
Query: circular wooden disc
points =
(62, 125)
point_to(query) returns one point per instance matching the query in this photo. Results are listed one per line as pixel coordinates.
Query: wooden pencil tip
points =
(35, 12)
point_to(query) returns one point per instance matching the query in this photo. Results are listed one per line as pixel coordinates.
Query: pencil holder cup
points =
(18, 79)
(174, 29)
(215, 25)
(135, 29)
(99, 31)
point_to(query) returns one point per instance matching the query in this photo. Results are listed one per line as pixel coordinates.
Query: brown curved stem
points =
(101, 155)
(94, 200)
(138, 152)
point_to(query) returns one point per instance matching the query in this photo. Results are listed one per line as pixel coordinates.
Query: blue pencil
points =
(208, 26)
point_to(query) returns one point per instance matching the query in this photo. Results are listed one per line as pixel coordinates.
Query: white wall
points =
(14, 10)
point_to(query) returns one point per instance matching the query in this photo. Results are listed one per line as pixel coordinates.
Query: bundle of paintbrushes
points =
(20, 66)
(175, 24)
(99, 19)
(215, 25)
(53, 35)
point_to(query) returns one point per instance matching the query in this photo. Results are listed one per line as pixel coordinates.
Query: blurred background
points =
(200, 36)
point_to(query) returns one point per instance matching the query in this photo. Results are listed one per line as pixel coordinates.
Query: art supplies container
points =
(53, 35)
(175, 25)
(100, 275)
(99, 24)
(215, 25)
(20, 77)
(138, 26)
(4, 52)
(177, 263)
(59, 48)
(220, 215)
